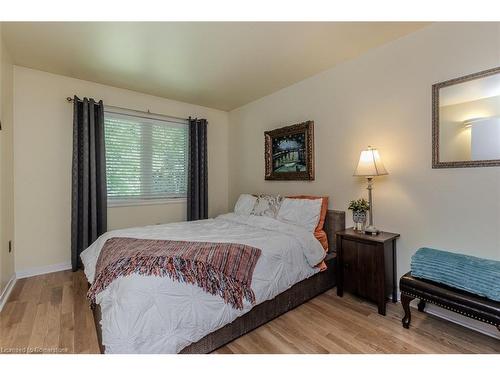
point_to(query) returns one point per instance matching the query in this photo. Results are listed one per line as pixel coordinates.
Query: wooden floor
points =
(50, 314)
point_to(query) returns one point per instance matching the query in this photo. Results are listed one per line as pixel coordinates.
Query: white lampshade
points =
(370, 164)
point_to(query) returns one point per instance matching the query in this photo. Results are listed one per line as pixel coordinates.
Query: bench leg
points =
(405, 301)
(421, 305)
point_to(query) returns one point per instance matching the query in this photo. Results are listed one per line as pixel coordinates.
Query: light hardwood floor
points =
(49, 313)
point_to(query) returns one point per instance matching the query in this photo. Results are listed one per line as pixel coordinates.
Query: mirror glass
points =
(469, 120)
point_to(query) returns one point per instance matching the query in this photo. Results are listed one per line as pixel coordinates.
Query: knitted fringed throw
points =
(223, 269)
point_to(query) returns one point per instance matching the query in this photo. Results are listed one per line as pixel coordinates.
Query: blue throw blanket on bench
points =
(472, 274)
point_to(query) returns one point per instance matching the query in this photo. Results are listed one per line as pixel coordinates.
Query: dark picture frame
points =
(289, 152)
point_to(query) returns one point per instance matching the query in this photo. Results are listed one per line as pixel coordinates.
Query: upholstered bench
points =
(459, 301)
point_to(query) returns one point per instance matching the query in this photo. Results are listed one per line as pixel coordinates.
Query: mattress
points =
(149, 314)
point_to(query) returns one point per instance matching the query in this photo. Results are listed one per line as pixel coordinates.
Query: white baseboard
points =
(6, 292)
(476, 325)
(35, 271)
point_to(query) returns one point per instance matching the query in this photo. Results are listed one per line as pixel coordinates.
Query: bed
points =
(144, 314)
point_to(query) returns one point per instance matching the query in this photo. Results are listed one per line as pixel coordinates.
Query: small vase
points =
(359, 218)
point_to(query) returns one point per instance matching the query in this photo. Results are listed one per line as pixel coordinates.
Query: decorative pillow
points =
(267, 205)
(319, 233)
(301, 212)
(244, 205)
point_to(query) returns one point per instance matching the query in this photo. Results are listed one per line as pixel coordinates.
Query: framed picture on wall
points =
(289, 152)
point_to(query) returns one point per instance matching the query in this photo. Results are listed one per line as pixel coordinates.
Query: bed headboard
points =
(334, 222)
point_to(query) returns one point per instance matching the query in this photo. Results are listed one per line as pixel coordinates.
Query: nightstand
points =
(367, 265)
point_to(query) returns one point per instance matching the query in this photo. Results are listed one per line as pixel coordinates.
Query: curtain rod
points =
(70, 100)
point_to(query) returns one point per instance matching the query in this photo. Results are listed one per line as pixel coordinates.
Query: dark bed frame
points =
(268, 310)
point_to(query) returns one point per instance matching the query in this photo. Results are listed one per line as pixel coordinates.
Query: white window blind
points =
(146, 158)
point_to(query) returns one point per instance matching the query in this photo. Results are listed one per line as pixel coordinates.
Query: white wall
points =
(383, 99)
(6, 166)
(485, 139)
(42, 166)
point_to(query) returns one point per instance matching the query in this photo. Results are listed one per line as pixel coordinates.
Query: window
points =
(146, 157)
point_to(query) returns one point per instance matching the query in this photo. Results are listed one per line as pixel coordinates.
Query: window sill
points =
(144, 202)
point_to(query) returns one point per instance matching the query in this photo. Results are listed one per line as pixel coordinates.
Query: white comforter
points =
(148, 314)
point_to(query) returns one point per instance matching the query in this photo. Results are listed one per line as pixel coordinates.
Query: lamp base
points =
(371, 230)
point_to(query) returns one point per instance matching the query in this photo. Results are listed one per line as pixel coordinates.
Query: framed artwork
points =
(289, 152)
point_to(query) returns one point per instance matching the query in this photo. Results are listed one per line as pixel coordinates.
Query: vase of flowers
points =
(359, 208)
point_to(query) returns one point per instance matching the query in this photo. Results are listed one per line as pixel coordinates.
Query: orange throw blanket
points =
(223, 269)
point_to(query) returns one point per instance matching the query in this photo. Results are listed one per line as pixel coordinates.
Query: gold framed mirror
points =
(466, 121)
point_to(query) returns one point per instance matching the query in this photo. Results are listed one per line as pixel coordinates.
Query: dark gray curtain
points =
(197, 194)
(89, 199)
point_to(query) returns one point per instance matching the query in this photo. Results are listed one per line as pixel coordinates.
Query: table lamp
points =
(369, 166)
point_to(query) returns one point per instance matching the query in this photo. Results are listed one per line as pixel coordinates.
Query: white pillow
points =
(244, 205)
(301, 212)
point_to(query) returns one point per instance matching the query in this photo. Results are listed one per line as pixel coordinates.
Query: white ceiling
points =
(214, 64)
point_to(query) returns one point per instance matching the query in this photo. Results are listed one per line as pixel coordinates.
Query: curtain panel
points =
(197, 191)
(89, 199)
